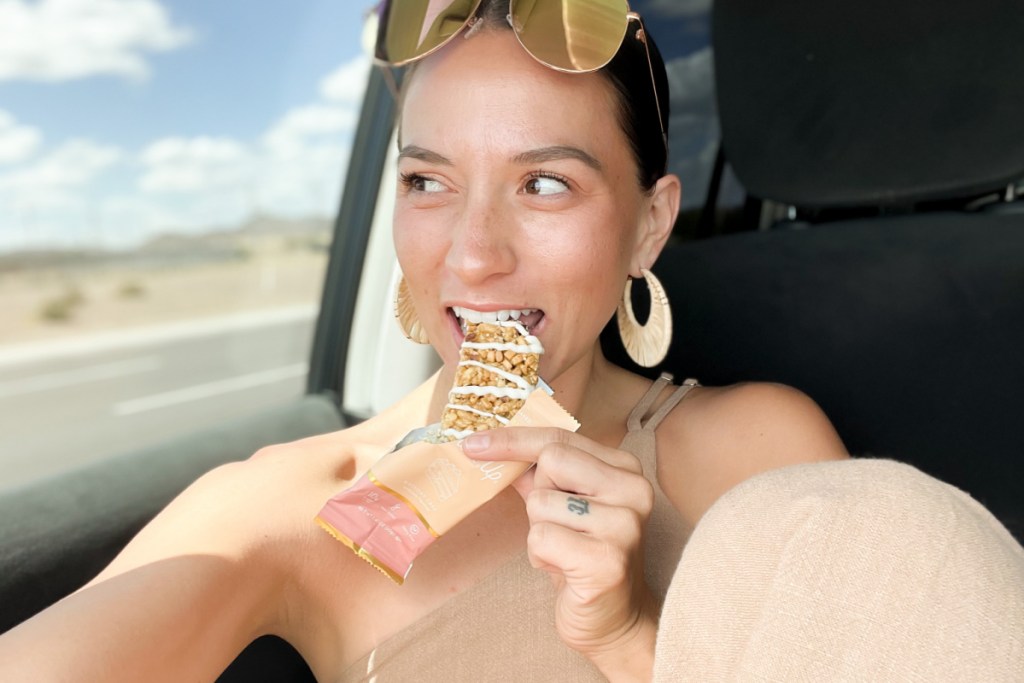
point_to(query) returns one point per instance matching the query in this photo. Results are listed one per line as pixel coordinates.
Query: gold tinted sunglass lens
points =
(410, 29)
(570, 35)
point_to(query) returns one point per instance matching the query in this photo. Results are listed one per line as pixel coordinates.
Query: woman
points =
(527, 190)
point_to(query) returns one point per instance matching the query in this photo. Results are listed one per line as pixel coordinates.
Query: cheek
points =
(416, 239)
(587, 266)
(591, 245)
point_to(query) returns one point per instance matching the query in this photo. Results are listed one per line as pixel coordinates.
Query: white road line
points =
(209, 389)
(156, 334)
(69, 378)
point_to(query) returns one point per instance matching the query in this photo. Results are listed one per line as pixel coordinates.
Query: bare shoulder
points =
(721, 436)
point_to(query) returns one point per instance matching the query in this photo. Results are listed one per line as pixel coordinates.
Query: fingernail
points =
(476, 443)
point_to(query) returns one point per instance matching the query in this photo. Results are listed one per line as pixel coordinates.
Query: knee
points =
(876, 522)
(872, 560)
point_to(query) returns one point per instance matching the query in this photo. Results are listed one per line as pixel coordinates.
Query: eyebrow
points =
(425, 155)
(556, 153)
(529, 157)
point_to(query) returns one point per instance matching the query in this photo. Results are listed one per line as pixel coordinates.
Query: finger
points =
(565, 468)
(576, 556)
(524, 444)
(620, 525)
(524, 483)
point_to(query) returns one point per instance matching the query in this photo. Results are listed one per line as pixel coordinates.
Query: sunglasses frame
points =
(473, 17)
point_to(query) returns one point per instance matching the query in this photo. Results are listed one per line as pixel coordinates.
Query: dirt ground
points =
(50, 304)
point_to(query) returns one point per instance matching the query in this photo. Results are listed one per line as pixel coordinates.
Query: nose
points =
(482, 242)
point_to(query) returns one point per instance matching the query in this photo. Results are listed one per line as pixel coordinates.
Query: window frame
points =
(351, 235)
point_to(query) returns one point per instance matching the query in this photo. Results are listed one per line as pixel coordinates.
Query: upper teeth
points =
(470, 316)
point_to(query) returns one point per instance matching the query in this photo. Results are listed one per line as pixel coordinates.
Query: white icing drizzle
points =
(532, 345)
(520, 391)
(457, 433)
(471, 409)
(503, 392)
(520, 328)
(500, 372)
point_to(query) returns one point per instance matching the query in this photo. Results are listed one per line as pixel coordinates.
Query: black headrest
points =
(907, 330)
(870, 102)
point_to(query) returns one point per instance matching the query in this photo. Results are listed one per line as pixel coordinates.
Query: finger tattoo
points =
(579, 505)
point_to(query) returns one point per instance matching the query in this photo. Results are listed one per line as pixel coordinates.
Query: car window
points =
(682, 29)
(169, 176)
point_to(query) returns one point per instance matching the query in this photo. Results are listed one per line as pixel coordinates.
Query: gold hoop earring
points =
(646, 344)
(406, 316)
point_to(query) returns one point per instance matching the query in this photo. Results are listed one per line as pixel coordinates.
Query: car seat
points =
(886, 134)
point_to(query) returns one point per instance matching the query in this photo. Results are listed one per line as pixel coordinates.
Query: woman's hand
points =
(588, 507)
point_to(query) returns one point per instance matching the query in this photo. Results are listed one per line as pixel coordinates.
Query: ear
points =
(656, 223)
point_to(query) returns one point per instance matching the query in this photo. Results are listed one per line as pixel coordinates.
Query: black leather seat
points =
(895, 294)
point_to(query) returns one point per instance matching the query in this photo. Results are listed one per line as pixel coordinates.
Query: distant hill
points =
(176, 249)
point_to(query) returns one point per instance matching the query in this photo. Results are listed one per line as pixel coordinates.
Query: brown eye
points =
(418, 183)
(545, 184)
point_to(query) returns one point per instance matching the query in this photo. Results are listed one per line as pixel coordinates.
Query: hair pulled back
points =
(630, 76)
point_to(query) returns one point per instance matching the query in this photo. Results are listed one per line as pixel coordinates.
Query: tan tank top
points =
(503, 627)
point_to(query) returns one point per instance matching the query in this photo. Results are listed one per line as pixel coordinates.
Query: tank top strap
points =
(644, 404)
(665, 408)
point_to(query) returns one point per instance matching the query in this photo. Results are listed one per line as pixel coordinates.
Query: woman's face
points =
(517, 195)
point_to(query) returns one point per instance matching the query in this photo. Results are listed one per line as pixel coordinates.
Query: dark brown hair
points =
(630, 76)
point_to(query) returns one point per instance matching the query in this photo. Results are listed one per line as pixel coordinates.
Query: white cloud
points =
(72, 165)
(304, 184)
(17, 142)
(197, 164)
(50, 201)
(294, 170)
(131, 219)
(54, 40)
(186, 184)
(304, 127)
(347, 83)
(305, 149)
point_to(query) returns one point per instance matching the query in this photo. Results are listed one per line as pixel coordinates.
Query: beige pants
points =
(862, 570)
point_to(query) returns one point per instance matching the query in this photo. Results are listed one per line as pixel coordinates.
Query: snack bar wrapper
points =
(414, 494)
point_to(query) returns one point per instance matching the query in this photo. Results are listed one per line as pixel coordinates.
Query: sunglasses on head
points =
(572, 36)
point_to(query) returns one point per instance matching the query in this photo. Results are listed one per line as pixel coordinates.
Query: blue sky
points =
(123, 118)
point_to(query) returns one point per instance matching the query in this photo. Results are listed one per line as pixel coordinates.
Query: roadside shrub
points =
(62, 308)
(131, 289)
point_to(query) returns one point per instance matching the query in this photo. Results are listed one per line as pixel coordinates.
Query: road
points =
(65, 404)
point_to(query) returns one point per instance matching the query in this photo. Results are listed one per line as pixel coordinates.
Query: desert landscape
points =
(59, 294)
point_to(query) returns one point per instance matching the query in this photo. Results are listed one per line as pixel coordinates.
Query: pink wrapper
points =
(413, 495)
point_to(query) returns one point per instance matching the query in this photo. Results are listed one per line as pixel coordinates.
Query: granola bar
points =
(497, 371)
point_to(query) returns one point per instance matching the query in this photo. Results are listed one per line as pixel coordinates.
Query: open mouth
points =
(527, 317)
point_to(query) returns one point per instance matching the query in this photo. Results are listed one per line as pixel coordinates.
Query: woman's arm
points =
(231, 558)
(178, 603)
(214, 570)
(722, 436)
(177, 619)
